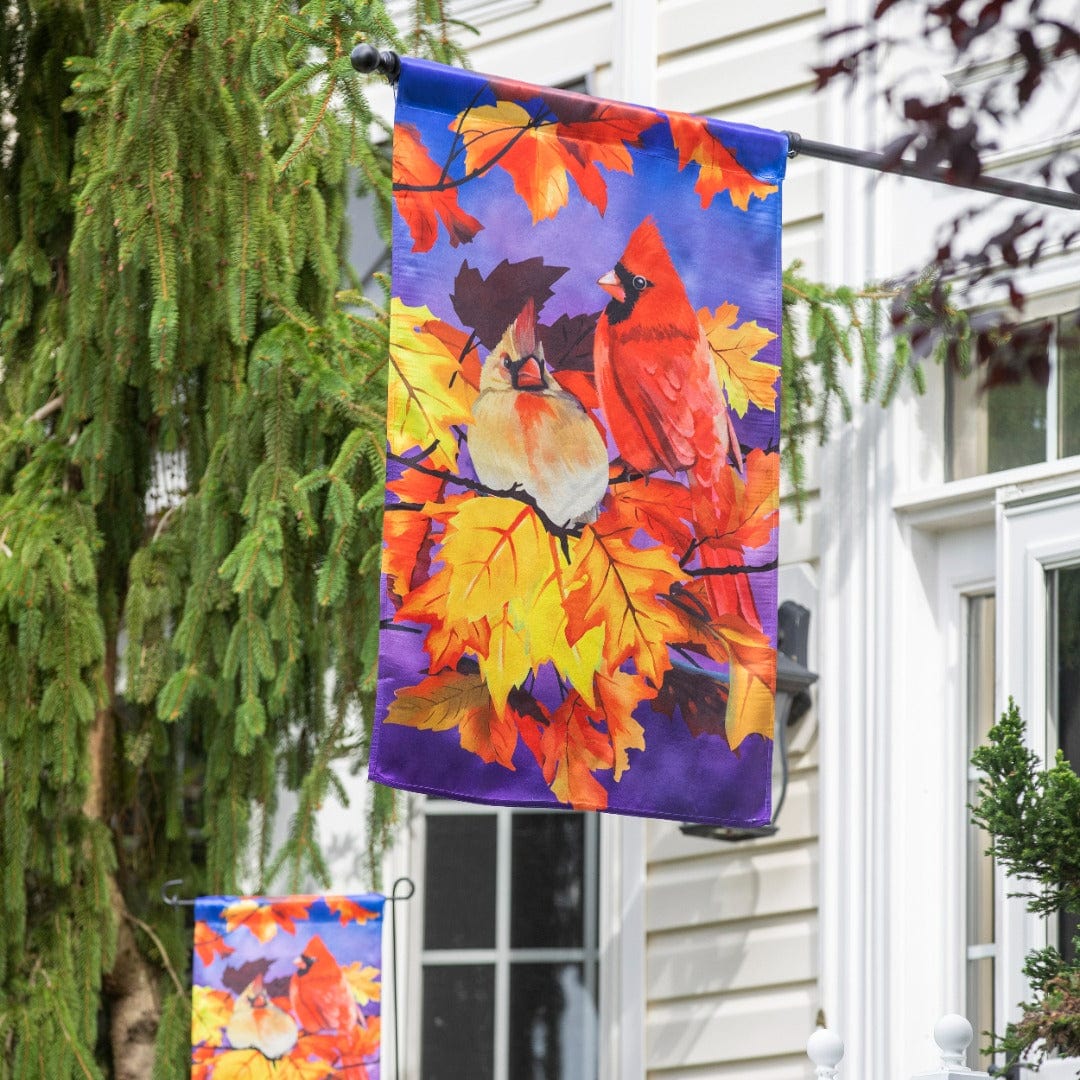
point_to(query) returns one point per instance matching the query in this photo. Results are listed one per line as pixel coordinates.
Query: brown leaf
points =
(488, 305)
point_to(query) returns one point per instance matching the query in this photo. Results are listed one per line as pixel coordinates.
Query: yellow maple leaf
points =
(363, 982)
(750, 707)
(211, 1011)
(496, 551)
(426, 391)
(617, 586)
(545, 625)
(506, 662)
(733, 348)
(253, 1065)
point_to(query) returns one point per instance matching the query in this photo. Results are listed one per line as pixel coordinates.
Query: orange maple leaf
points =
(264, 920)
(617, 586)
(447, 640)
(541, 155)
(453, 699)
(423, 195)
(406, 529)
(660, 507)
(573, 748)
(750, 507)
(719, 170)
(348, 910)
(745, 380)
(619, 694)
(209, 943)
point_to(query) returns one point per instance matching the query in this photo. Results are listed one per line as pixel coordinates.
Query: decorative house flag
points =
(579, 558)
(286, 988)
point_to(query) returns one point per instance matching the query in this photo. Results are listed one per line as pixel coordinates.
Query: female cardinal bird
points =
(258, 1024)
(528, 432)
(320, 996)
(662, 398)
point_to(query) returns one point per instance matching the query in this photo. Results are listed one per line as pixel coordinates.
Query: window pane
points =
(1068, 356)
(547, 890)
(999, 428)
(1016, 425)
(459, 875)
(458, 1028)
(1065, 606)
(552, 1023)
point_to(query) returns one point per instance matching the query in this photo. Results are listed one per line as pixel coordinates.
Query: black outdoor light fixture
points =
(793, 682)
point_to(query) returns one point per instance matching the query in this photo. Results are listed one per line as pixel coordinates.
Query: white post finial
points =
(825, 1049)
(953, 1034)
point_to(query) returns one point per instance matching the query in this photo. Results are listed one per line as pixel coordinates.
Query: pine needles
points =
(191, 437)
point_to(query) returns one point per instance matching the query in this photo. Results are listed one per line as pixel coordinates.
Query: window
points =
(1019, 423)
(509, 962)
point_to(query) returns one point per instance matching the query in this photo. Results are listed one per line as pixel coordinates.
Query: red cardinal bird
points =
(320, 996)
(528, 432)
(662, 398)
(258, 1024)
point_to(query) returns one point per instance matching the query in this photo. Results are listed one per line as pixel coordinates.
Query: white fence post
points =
(825, 1049)
(953, 1035)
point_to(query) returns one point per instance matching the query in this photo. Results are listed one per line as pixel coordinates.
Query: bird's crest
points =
(523, 331)
(646, 254)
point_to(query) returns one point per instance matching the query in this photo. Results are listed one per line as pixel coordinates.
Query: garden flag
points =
(579, 557)
(286, 988)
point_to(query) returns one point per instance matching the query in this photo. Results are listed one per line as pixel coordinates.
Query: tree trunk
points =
(131, 987)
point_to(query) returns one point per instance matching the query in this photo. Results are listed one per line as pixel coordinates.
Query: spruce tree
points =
(191, 436)
(1032, 815)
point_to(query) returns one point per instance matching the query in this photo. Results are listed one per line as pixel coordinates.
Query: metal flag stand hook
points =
(404, 888)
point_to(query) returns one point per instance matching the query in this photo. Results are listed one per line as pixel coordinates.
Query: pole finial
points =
(368, 60)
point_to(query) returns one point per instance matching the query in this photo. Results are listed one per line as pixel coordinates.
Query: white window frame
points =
(1038, 532)
(619, 944)
(999, 533)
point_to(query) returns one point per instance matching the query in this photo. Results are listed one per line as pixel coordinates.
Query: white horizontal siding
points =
(722, 1029)
(684, 24)
(777, 1067)
(554, 50)
(755, 954)
(733, 887)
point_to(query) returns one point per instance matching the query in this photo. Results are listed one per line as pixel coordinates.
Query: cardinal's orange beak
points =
(610, 283)
(528, 374)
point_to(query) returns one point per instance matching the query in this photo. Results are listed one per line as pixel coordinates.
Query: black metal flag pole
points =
(369, 60)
